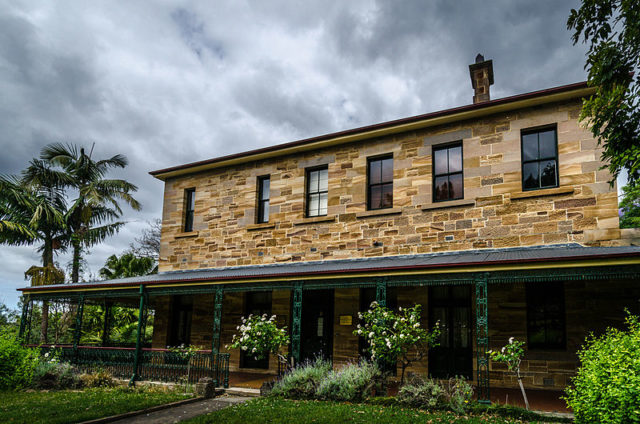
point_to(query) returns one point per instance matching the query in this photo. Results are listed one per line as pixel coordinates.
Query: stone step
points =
(242, 391)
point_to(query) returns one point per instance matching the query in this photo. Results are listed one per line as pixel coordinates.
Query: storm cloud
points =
(167, 83)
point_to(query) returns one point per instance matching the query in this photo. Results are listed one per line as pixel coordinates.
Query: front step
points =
(242, 391)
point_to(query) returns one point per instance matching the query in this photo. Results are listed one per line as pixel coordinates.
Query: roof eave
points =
(478, 110)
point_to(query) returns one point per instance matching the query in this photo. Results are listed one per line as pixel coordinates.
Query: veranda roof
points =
(505, 259)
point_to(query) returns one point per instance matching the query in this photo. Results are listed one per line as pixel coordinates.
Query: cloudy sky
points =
(167, 83)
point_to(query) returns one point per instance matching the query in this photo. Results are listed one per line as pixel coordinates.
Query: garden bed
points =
(67, 406)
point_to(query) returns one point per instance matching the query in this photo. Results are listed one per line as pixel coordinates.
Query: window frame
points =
(189, 212)
(308, 193)
(261, 200)
(546, 346)
(370, 186)
(534, 130)
(446, 146)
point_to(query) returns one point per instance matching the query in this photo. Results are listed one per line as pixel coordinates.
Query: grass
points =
(70, 406)
(275, 411)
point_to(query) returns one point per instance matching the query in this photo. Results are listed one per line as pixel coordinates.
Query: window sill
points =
(543, 192)
(315, 220)
(263, 226)
(187, 234)
(379, 212)
(448, 204)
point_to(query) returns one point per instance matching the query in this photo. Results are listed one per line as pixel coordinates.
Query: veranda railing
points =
(154, 364)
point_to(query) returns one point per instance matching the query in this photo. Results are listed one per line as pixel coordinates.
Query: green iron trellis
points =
(78, 328)
(381, 292)
(217, 320)
(136, 358)
(482, 339)
(296, 321)
(26, 304)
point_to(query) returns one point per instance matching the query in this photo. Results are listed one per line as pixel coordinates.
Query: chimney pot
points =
(481, 74)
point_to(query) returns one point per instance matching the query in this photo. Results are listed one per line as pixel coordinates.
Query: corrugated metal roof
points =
(335, 266)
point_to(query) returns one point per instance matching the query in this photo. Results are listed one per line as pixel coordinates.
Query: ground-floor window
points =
(180, 330)
(256, 303)
(546, 316)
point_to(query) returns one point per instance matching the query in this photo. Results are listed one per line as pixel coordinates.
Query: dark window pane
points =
(442, 188)
(530, 147)
(440, 161)
(455, 159)
(548, 173)
(266, 184)
(374, 172)
(455, 186)
(192, 200)
(387, 170)
(530, 175)
(387, 196)
(376, 196)
(265, 211)
(547, 143)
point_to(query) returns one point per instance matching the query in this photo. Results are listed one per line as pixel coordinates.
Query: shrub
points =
(353, 382)
(17, 363)
(55, 375)
(303, 381)
(100, 378)
(458, 394)
(606, 388)
(423, 393)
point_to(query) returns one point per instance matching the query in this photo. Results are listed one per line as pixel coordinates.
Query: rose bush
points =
(260, 336)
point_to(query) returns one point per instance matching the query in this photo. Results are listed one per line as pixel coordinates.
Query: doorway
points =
(256, 303)
(451, 305)
(316, 338)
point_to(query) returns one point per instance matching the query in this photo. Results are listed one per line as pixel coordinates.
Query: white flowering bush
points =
(260, 336)
(511, 354)
(396, 336)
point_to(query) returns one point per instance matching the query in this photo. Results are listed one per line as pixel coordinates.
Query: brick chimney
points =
(481, 74)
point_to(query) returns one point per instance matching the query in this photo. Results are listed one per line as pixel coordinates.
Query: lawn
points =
(274, 411)
(70, 406)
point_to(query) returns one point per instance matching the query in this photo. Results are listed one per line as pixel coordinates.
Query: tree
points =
(34, 213)
(149, 243)
(630, 207)
(511, 355)
(98, 198)
(612, 29)
(127, 265)
(396, 336)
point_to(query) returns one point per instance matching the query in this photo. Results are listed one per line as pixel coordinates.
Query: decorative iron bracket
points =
(482, 338)
(297, 321)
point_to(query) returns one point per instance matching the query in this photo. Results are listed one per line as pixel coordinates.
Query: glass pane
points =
(440, 315)
(455, 159)
(387, 196)
(548, 173)
(265, 211)
(313, 181)
(322, 205)
(324, 179)
(530, 175)
(387, 170)
(530, 147)
(192, 199)
(374, 172)
(440, 161)
(461, 292)
(461, 327)
(313, 204)
(266, 184)
(441, 188)
(376, 195)
(548, 144)
(439, 293)
(455, 186)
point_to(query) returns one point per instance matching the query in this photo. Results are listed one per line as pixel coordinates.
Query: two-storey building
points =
(497, 217)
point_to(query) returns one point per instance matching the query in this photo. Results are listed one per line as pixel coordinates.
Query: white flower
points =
(510, 340)
(371, 335)
(374, 303)
(502, 349)
(46, 355)
(399, 308)
(360, 315)
(244, 348)
(253, 350)
(416, 325)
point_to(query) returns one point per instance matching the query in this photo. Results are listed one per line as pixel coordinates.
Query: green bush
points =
(606, 388)
(352, 383)
(17, 363)
(55, 375)
(99, 378)
(303, 381)
(423, 393)
(458, 394)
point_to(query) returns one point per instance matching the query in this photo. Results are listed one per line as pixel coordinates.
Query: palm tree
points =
(98, 198)
(34, 213)
(127, 265)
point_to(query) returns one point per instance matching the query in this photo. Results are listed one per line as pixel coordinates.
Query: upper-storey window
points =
(380, 182)
(546, 316)
(190, 207)
(539, 158)
(264, 184)
(317, 191)
(447, 172)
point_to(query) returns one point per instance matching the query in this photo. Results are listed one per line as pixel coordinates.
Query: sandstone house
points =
(495, 216)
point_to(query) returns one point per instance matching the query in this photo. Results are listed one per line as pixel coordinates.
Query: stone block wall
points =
(494, 212)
